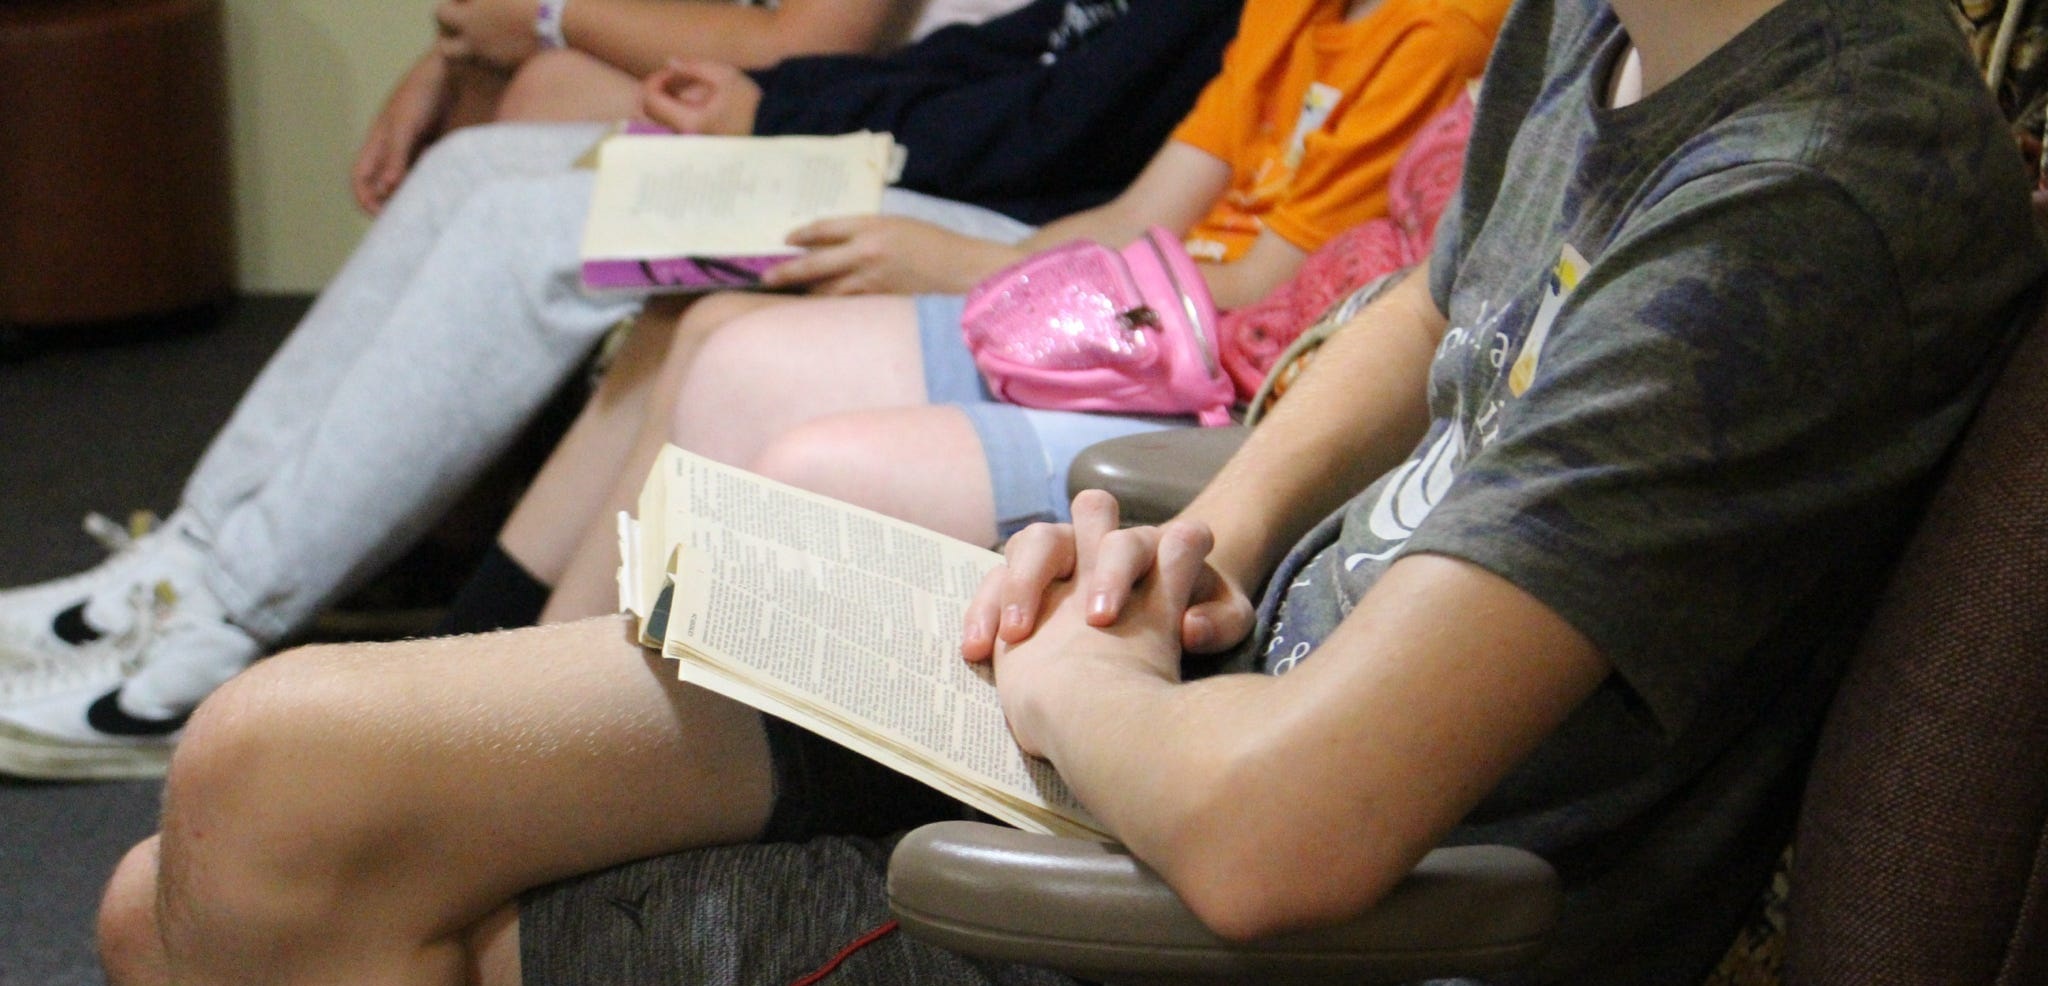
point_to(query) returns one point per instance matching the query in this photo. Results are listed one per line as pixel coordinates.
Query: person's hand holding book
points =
(887, 255)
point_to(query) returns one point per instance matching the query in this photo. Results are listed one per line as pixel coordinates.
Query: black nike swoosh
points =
(71, 628)
(107, 716)
(634, 908)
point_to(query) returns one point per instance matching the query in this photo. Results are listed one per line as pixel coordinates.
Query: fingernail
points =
(1098, 604)
(1013, 615)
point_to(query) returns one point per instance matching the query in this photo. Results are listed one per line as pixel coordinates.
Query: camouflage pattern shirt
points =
(1705, 352)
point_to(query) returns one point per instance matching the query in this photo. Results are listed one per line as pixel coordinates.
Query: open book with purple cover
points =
(676, 213)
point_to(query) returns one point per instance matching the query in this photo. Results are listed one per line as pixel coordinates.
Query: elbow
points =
(1246, 872)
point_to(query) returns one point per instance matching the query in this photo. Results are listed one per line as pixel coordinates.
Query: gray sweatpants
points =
(456, 317)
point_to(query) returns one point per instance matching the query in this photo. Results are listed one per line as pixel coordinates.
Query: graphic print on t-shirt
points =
(1408, 496)
(1082, 18)
(1270, 182)
(1571, 268)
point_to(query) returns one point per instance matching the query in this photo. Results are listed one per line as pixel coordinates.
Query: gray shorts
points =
(759, 914)
(754, 915)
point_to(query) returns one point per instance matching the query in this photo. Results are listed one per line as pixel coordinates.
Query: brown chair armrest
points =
(1154, 474)
(1093, 911)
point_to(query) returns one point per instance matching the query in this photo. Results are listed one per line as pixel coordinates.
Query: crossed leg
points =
(367, 813)
(823, 393)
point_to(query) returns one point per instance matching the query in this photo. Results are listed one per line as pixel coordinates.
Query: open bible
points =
(841, 620)
(698, 213)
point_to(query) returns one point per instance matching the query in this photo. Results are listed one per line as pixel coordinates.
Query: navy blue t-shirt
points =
(1045, 111)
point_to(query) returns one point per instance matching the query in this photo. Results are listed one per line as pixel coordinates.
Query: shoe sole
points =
(38, 757)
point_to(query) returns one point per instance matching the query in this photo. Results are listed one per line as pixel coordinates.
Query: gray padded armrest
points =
(1093, 911)
(1154, 474)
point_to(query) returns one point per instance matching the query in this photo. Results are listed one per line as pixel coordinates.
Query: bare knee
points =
(264, 806)
(922, 465)
(727, 380)
(130, 944)
(834, 456)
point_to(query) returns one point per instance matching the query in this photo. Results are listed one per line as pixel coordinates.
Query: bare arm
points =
(1274, 803)
(638, 36)
(1355, 414)
(871, 254)
(1360, 759)
(1350, 418)
(1283, 802)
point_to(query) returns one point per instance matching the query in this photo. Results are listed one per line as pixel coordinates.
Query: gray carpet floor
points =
(105, 420)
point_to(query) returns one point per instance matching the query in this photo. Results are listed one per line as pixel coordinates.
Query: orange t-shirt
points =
(1311, 112)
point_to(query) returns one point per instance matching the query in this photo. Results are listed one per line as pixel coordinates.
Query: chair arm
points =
(1093, 911)
(1154, 474)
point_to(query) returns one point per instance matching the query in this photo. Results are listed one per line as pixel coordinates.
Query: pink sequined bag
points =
(1081, 327)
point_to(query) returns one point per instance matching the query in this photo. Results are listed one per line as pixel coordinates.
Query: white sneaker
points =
(66, 633)
(126, 725)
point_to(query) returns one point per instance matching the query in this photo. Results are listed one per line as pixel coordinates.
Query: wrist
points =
(547, 24)
(1059, 712)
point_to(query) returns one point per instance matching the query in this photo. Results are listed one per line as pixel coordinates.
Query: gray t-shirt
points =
(1705, 352)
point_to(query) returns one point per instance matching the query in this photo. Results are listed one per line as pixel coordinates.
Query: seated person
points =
(527, 60)
(461, 312)
(1359, 79)
(1603, 491)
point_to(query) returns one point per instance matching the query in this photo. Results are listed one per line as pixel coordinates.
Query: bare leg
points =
(365, 813)
(132, 945)
(568, 86)
(565, 494)
(766, 373)
(921, 464)
(597, 469)
(778, 377)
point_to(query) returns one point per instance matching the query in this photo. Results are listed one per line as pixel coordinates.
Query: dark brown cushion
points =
(1920, 854)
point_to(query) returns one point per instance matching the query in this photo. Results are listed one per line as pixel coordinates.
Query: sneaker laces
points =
(120, 613)
(115, 537)
(35, 674)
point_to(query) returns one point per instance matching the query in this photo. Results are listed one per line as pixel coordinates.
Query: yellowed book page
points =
(666, 195)
(846, 622)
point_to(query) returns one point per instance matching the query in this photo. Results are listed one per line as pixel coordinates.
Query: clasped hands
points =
(1087, 601)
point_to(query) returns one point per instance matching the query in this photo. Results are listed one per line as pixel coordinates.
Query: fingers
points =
(379, 167)
(1034, 558)
(1007, 602)
(363, 176)
(827, 232)
(817, 266)
(1219, 614)
(1216, 625)
(1182, 556)
(451, 41)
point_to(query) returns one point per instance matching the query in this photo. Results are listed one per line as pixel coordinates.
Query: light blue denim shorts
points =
(1027, 450)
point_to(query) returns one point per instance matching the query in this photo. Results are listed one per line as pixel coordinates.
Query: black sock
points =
(499, 595)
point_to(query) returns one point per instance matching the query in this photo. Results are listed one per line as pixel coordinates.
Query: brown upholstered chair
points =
(1922, 853)
(1922, 849)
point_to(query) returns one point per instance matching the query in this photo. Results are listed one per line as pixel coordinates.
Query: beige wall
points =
(305, 77)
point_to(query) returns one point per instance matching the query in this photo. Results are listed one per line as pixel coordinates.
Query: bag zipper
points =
(1188, 305)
